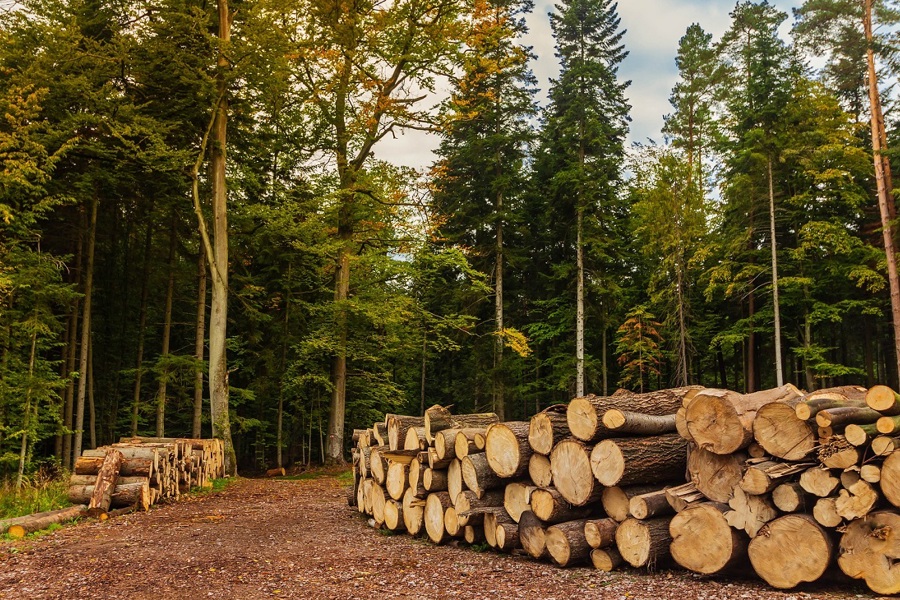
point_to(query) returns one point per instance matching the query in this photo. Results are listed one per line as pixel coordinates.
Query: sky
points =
(653, 28)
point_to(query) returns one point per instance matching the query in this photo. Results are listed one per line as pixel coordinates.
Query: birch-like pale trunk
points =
(779, 369)
(882, 176)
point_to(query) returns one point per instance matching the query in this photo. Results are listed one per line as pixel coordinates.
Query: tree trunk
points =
(548, 427)
(882, 177)
(85, 331)
(106, 481)
(498, 391)
(549, 506)
(199, 347)
(20, 526)
(532, 535)
(628, 461)
(26, 415)
(779, 369)
(218, 320)
(644, 543)
(142, 326)
(566, 543)
(579, 305)
(166, 337)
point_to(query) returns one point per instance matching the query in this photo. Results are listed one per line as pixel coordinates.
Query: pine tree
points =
(480, 175)
(580, 159)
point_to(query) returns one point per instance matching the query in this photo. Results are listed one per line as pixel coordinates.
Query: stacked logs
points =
(782, 482)
(139, 472)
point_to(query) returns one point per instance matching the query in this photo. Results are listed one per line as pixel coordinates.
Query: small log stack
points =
(783, 483)
(139, 472)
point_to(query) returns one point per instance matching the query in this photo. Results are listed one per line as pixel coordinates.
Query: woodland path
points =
(299, 539)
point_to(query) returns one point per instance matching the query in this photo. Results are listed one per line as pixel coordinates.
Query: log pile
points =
(140, 472)
(779, 482)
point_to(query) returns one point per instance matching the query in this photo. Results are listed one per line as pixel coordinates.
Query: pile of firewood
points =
(782, 482)
(139, 472)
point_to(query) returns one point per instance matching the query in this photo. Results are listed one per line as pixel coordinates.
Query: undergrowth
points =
(38, 493)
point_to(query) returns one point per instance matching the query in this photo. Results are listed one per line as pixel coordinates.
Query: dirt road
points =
(299, 539)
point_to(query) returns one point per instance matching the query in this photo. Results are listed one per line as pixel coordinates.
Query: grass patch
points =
(37, 494)
(344, 476)
(218, 485)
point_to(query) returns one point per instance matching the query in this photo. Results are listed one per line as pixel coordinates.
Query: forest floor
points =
(272, 538)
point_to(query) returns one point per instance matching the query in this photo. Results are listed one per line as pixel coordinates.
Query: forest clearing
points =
(271, 538)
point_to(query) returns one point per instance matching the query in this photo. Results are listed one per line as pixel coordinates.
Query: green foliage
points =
(39, 493)
(638, 346)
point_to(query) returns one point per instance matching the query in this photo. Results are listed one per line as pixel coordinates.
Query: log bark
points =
(644, 544)
(884, 400)
(435, 480)
(651, 504)
(715, 475)
(478, 475)
(749, 513)
(468, 505)
(762, 476)
(566, 543)
(507, 448)
(845, 415)
(600, 533)
(860, 435)
(517, 498)
(584, 415)
(628, 461)
(616, 500)
(445, 444)
(507, 535)
(532, 535)
(547, 428)
(435, 506)
(606, 559)
(703, 541)
(129, 494)
(398, 426)
(870, 550)
(492, 520)
(628, 422)
(810, 406)
(105, 484)
(682, 496)
(19, 527)
(790, 550)
(570, 465)
(438, 418)
(549, 506)
(539, 470)
(465, 442)
(781, 433)
(415, 439)
(721, 421)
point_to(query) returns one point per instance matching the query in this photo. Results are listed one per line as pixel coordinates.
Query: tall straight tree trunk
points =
(69, 410)
(199, 340)
(779, 369)
(85, 331)
(750, 379)
(218, 320)
(579, 304)
(682, 325)
(498, 395)
(603, 360)
(26, 415)
(424, 364)
(284, 345)
(166, 337)
(882, 176)
(92, 407)
(142, 324)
